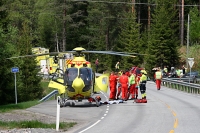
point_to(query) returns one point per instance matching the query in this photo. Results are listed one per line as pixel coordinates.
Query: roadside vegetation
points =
(28, 104)
(22, 105)
(34, 124)
(193, 53)
(28, 124)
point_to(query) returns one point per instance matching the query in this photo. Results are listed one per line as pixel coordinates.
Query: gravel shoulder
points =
(24, 115)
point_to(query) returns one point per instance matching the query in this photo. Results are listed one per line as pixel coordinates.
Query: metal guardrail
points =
(189, 79)
(51, 94)
(181, 85)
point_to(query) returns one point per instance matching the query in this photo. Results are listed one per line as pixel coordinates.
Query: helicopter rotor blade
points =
(127, 53)
(34, 55)
(108, 52)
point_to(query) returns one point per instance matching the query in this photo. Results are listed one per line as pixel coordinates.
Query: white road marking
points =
(101, 117)
(90, 126)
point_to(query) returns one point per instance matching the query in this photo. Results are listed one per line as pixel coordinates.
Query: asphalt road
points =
(167, 111)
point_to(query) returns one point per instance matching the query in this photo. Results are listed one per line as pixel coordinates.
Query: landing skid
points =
(96, 99)
(63, 101)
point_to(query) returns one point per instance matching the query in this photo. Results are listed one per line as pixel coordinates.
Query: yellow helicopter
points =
(79, 82)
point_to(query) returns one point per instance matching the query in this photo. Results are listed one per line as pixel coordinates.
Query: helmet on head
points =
(143, 72)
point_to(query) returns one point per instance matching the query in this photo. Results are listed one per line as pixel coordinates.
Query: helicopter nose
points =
(78, 84)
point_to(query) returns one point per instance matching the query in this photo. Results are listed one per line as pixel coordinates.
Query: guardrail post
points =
(181, 85)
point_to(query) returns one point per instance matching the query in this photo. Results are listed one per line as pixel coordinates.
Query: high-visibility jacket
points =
(143, 78)
(132, 79)
(178, 72)
(117, 66)
(158, 75)
(165, 70)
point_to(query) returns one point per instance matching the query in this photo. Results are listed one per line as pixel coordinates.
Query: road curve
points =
(167, 111)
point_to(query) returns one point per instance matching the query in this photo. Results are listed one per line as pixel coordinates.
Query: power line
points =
(130, 3)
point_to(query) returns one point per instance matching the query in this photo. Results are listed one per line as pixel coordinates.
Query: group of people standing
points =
(176, 73)
(125, 85)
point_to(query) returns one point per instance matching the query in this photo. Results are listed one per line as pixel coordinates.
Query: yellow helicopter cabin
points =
(79, 59)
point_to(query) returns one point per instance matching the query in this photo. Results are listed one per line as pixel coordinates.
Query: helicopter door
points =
(70, 75)
(101, 83)
(86, 76)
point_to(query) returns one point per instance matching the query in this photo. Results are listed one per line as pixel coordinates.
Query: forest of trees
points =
(157, 28)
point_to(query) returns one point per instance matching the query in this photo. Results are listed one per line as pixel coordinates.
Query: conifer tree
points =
(163, 37)
(22, 17)
(129, 41)
(30, 88)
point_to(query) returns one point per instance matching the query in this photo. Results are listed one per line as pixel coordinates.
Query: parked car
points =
(192, 77)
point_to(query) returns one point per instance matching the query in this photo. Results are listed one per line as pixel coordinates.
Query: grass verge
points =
(22, 105)
(35, 124)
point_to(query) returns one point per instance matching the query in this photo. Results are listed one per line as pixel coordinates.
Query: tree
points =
(7, 93)
(194, 26)
(30, 88)
(21, 16)
(129, 40)
(163, 39)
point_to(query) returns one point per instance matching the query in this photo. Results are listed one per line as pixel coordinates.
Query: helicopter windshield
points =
(86, 75)
(71, 74)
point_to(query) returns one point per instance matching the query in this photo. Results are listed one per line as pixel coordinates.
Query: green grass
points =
(22, 105)
(34, 124)
(30, 124)
(46, 89)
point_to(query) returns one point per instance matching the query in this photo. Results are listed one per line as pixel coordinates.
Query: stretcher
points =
(140, 101)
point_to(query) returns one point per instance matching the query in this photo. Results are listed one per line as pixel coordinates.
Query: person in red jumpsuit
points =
(113, 83)
(123, 80)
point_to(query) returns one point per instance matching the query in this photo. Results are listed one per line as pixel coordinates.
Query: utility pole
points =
(64, 27)
(182, 22)
(139, 12)
(133, 6)
(149, 15)
(188, 30)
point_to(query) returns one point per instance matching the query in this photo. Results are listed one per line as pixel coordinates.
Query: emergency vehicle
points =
(51, 62)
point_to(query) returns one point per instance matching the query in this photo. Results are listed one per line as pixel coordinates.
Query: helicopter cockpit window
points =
(86, 75)
(70, 75)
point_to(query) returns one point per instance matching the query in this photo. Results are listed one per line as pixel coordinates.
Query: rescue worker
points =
(117, 67)
(123, 80)
(184, 69)
(120, 72)
(165, 71)
(178, 73)
(158, 77)
(113, 83)
(132, 86)
(97, 64)
(137, 85)
(143, 81)
(119, 90)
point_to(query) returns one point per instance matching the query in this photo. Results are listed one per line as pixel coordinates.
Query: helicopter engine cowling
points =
(78, 84)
